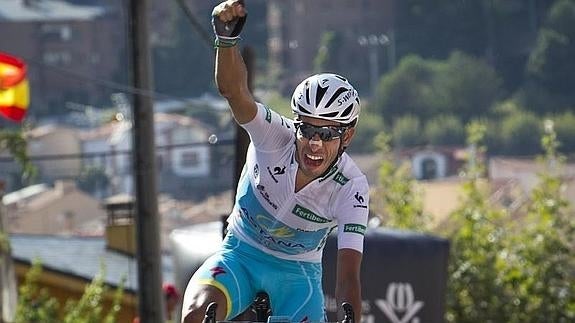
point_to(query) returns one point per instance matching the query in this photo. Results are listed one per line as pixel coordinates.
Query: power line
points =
(113, 152)
(197, 26)
(105, 83)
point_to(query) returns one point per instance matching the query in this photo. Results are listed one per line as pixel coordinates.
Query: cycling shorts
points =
(240, 271)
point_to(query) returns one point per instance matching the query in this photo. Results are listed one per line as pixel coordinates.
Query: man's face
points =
(316, 155)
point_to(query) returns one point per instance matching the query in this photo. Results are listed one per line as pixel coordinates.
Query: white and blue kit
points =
(276, 235)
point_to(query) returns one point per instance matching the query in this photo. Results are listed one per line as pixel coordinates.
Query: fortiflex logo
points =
(400, 305)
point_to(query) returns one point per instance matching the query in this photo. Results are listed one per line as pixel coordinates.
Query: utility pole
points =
(150, 300)
(8, 288)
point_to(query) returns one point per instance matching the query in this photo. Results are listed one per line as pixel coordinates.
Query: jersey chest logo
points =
(306, 214)
(278, 170)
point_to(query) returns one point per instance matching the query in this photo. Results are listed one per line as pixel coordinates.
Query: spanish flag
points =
(14, 91)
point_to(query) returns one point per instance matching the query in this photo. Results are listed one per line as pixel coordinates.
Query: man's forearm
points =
(232, 81)
(231, 73)
(351, 294)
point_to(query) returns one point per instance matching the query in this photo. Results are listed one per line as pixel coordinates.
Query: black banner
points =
(404, 274)
(403, 277)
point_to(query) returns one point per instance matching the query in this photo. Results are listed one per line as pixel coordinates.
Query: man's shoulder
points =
(348, 166)
(347, 173)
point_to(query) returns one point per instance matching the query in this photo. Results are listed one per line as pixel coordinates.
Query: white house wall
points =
(439, 159)
(202, 168)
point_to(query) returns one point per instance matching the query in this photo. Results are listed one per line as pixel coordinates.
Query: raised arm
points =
(230, 71)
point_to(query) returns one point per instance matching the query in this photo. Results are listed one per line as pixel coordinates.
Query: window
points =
(190, 159)
(56, 32)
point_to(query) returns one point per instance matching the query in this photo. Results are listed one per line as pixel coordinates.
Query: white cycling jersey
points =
(269, 215)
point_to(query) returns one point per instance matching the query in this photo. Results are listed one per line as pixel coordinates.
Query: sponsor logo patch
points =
(306, 214)
(354, 228)
(340, 179)
(361, 201)
(277, 171)
(268, 115)
(217, 271)
(266, 196)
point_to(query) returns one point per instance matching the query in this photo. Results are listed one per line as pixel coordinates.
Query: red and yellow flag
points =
(14, 90)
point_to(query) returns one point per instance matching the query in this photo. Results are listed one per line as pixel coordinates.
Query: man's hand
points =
(228, 19)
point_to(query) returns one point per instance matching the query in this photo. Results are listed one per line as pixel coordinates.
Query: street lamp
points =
(372, 42)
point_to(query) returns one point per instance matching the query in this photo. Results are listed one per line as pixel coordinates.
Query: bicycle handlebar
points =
(210, 316)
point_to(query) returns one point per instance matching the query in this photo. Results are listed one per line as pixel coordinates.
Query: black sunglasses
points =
(325, 133)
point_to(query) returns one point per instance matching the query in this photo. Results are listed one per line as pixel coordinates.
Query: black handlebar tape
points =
(210, 313)
(348, 313)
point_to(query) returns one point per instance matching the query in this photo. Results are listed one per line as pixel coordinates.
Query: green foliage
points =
(551, 65)
(278, 103)
(518, 269)
(548, 62)
(36, 305)
(401, 206)
(541, 273)
(461, 86)
(406, 132)
(444, 130)
(474, 290)
(521, 133)
(368, 127)
(92, 179)
(469, 86)
(433, 28)
(15, 143)
(565, 129)
(323, 60)
(89, 308)
(406, 90)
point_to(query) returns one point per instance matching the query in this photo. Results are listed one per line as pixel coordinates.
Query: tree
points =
(401, 204)
(444, 130)
(462, 86)
(513, 269)
(541, 269)
(521, 133)
(407, 90)
(14, 143)
(36, 305)
(469, 86)
(406, 132)
(323, 61)
(565, 129)
(551, 68)
(475, 293)
(369, 126)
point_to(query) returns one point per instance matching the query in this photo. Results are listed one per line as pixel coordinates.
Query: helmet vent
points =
(329, 115)
(336, 95)
(302, 109)
(319, 95)
(347, 110)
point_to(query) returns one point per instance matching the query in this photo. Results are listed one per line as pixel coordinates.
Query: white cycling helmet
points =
(326, 96)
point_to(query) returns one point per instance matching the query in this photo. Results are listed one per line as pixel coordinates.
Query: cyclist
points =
(297, 186)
